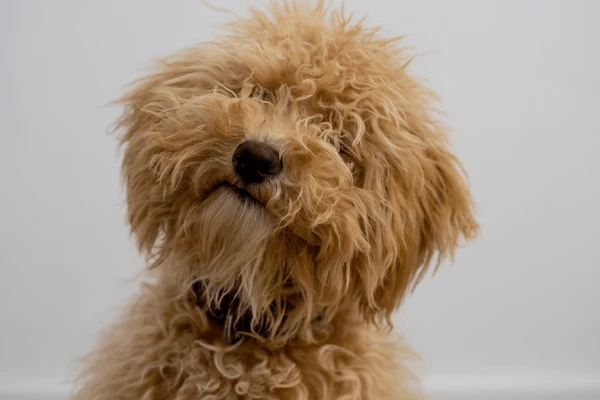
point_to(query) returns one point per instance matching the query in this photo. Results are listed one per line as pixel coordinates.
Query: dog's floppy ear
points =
(154, 168)
(422, 202)
(147, 210)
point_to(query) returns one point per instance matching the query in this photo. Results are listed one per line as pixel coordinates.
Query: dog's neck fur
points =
(225, 315)
(234, 323)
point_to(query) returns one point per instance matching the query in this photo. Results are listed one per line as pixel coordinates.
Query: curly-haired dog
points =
(290, 183)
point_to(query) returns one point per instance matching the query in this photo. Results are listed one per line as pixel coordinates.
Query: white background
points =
(520, 307)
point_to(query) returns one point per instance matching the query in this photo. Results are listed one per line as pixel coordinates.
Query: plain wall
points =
(519, 82)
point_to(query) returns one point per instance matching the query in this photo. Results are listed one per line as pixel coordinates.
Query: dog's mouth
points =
(243, 195)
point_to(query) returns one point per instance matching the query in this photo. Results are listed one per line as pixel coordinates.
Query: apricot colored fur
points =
(317, 257)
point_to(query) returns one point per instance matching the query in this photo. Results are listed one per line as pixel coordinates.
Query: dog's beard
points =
(252, 270)
(234, 231)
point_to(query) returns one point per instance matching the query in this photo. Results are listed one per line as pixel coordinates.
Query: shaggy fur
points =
(281, 289)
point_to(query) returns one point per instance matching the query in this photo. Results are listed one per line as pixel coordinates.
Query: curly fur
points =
(316, 258)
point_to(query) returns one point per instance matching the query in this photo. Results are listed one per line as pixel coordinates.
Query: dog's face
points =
(294, 165)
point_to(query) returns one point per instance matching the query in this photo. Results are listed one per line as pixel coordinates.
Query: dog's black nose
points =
(254, 161)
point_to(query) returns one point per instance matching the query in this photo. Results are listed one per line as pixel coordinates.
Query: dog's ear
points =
(147, 208)
(153, 134)
(421, 199)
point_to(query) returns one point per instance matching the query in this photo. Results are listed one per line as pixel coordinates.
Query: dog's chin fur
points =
(281, 289)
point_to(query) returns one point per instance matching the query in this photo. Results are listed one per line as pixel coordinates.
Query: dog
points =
(289, 184)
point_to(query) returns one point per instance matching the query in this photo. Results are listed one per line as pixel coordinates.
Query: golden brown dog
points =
(289, 183)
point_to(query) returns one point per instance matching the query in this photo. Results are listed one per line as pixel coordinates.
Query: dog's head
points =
(294, 165)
